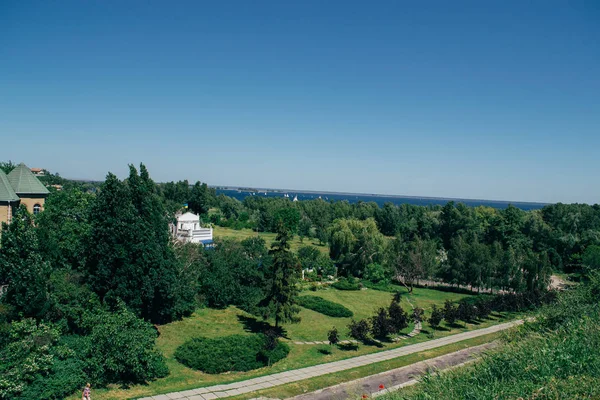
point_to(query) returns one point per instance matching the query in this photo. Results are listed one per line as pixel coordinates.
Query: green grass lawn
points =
(314, 326)
(295, 244)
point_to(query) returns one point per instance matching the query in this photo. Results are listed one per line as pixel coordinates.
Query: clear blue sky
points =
(481, 99)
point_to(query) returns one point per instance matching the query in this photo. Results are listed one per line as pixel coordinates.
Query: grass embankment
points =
(295, 243)
(313, 327)
(555, 357)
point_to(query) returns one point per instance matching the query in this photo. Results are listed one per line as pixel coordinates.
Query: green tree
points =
(354, 244)
(591, 257)
(398, 317)
(22, 267)
(129, 251)
(333, 336)
(381, 325)
(450, 312)
(436, 317)
(201, 198)
(63, 228)
(282, 278)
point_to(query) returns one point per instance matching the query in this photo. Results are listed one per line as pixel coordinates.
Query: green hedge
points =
(346, 284)
(230, 353)
(323, 306)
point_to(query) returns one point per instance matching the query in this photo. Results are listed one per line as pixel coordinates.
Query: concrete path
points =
(282, 378)
(389, 381)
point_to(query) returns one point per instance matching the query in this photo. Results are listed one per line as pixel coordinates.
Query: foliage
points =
(398, 317)
(418, 314)
(31, 352)
(346, 284)
(129, 255)
(282, 276)
(7, 166)
(354, 244)
(436, 317)
(414, 260)
(323, 306)
(359, 330)
(376, 273)
(230, 353)
(119, 348)
(381, 324)
(450, 312)
(333, 337)
(22, 267)
(234, 273)
(311, 258)
(550, 358)
(591, 257)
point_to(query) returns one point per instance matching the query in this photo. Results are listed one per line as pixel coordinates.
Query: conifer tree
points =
(282, 278)
(22, 267)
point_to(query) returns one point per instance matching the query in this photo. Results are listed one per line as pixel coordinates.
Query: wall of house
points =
(3, 213)
(29, 202)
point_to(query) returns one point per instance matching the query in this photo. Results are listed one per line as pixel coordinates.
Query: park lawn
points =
(269, 237)
(229, 321)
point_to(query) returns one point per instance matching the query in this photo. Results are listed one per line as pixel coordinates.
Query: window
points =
(36, 209)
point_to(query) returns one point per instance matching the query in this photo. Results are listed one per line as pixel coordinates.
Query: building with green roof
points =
(20, 186)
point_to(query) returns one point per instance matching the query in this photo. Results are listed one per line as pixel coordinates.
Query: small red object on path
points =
(381, 387)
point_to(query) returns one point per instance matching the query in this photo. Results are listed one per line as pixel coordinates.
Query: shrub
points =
(436, 317)
(346, 284)
(376, 273)
(450, 312)
(230, 353)
(398, 317)
(417, 314)
(381, 325)
(120, 348)
(359, 330)
(333, 336)
(323, 306)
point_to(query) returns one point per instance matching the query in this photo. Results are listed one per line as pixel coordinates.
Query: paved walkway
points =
(282, 378)
(389, 381)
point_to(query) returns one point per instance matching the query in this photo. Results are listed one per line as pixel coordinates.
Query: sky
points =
(468, 99)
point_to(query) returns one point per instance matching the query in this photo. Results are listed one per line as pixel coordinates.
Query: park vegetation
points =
(324, 306)
(85, 283)
(552, 357)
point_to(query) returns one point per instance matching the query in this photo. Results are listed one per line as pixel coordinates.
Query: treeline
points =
(480, 247)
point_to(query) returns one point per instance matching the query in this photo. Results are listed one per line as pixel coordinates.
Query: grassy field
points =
(314, 326)
(295, 244)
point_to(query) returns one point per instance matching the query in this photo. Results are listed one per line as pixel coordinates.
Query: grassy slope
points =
(220, 232)
(314, 326)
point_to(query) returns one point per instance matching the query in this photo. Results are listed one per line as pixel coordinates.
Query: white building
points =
(188, 229)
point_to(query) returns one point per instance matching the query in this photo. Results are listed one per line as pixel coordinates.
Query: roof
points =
(23, 181)
(6, 191)
(188, 216)
(34, 170)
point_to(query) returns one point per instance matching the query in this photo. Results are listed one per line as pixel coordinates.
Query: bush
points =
(323, 306)
(436, 317)
(398, 317)
(230, 353)
(381, 325)
(450, 312)
(333, 336)
(346, 284)
(120, 348)
(359, 330)
(376, 273)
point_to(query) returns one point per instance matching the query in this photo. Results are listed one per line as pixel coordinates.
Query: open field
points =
(295, 244)
(314, 326)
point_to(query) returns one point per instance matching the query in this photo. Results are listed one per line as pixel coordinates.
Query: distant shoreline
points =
(392, 196)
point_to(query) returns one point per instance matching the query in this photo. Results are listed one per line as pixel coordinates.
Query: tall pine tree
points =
(280, 302)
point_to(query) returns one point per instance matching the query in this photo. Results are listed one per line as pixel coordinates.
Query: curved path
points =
(282, 378)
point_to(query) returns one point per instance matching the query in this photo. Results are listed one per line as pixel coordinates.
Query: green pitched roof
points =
(6, 191)
(23, 181)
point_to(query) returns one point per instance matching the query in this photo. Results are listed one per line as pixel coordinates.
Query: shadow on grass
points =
(348, 346)
(372, 342)
(440, 329)
(324, 350)
(253, 325)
